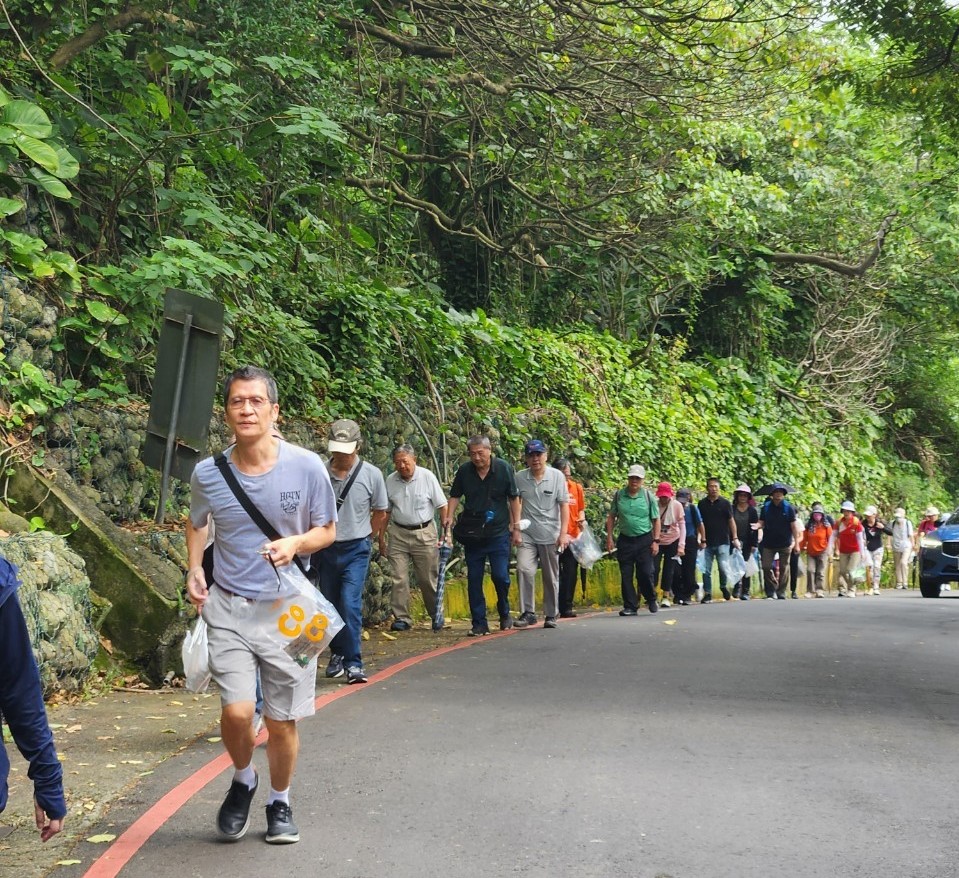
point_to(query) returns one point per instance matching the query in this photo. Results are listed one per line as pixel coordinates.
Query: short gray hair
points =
(404, 448)
(475, 441)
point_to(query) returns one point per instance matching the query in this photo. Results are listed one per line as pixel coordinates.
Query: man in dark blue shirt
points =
(492, 507)
(777, 530)
(21, 703)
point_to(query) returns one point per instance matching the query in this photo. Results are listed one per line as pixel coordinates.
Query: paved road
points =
(799, 738)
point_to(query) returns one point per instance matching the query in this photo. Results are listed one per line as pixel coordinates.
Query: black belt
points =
(414, 526)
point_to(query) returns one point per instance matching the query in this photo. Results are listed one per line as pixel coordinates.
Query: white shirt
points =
(414, 501)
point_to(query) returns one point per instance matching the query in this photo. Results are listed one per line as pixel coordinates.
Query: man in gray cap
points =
(637, 512)
(361, 507)
(545, 505)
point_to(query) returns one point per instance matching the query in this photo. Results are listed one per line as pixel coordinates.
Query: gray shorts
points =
(239, 644)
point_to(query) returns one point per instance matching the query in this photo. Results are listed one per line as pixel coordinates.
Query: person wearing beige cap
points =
(902, 531)
(875, 530)
(636, 512)
(362, 507)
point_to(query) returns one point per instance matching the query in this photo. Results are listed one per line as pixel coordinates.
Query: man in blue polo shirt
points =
(777, 525)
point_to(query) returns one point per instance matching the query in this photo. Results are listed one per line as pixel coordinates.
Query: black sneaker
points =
(572, 614)
(628, 613)
(653, 607)
(234, 818)
(280, 828)
(477, 631)
(505, 623)
(335, 667)
(549, 622)
(355, 674)
(400, 625)
(521, 621)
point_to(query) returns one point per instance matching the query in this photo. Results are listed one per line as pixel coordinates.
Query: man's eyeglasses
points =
(239, 402)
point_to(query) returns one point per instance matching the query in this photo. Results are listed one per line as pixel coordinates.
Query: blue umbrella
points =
(445, 550)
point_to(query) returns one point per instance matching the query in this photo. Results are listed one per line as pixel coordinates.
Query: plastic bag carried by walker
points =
(703, 562)
(585, 548)
(858, 574)
(300, 618)
(196, 658)
(752, 565)
(736, 566)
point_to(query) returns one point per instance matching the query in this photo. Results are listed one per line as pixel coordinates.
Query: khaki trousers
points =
(529, 556)
(848, 561)
(419, 549)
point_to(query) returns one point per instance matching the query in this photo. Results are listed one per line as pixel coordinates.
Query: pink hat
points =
(664, 490)
(743, 489)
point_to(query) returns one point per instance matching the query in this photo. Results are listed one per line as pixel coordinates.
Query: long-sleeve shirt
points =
(21, 703)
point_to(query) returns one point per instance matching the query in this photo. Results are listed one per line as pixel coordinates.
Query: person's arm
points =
(563, 541)
(515, 506)
(378, 522)
(197, 588)
(21, 703)
(681, 522)
(285, 549)
(733, 536)
(381, 542)
(610, 524)
(657, 527)
(447, 515)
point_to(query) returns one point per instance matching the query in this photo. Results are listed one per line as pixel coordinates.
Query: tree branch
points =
(836, 265)
(406, 46)
(135, 15)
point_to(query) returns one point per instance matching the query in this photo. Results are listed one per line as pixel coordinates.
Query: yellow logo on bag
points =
(314, 630)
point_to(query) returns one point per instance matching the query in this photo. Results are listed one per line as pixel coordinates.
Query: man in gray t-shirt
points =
(545, 499)
(292, 490)
(362, 507)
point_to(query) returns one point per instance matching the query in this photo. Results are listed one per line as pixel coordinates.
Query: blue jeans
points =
(342, 571)
(496, 550)
(721, 554)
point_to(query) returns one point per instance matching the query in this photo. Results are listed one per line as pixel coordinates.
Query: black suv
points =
(939, 556)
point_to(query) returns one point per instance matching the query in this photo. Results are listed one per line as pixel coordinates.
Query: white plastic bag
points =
(752, 565)
(196, 658)
(300, 618)
(736, 566)
(585, 548)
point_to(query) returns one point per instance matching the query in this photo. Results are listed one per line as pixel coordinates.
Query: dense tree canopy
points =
(759, 186)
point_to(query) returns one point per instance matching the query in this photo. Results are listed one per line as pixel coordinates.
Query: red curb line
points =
(124, 848)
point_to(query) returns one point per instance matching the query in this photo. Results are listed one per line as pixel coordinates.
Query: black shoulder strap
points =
(349, 484)
(258, 518)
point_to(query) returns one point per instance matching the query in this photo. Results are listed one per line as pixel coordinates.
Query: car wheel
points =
(929, 587)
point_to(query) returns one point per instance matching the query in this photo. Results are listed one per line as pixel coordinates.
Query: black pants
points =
(567, 580)
(636, 559)
(686, 581)
(667, 570)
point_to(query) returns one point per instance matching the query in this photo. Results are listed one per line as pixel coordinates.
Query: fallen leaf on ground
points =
(102, 838)
(69, 862)
(131, 762)
(669, 621)
(388, 636)
(214, 740)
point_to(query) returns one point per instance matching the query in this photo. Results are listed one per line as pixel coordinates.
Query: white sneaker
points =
(875, 591)
(665, 602)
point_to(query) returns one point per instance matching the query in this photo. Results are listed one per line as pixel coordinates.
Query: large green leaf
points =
(103, 313)
(69, 166)
(51, 184)
(10, 206)
(42, 153)
(28, 118)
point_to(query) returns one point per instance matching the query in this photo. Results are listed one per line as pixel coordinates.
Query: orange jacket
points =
(577, 503)
(815, 541)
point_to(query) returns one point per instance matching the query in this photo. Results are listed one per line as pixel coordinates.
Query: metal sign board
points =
(184, 386)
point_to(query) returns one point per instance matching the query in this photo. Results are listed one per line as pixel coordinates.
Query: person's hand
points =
(197, 590)
(48, 827)
(737, 543)
(609, 544)
(282, 551)
(382, 547)
(516, 536)
(681, 551)
(654, 550)
(562, 542)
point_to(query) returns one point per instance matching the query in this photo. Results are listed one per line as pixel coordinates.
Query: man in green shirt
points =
(637, 512)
